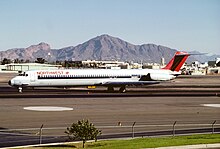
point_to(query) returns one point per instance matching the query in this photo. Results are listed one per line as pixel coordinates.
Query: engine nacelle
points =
(161, 77)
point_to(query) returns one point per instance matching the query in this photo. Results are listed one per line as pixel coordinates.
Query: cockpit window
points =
(23, 74)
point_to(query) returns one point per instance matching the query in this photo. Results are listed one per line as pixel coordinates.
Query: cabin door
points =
(33, 77)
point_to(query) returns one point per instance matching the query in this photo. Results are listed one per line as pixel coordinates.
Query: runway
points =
(153, 108)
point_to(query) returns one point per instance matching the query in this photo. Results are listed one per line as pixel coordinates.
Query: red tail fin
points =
(177, 61)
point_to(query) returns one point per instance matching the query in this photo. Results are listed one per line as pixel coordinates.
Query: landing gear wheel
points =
(122, 89)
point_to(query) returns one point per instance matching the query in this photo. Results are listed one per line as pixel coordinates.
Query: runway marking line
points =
(212, 105)
(47, 108)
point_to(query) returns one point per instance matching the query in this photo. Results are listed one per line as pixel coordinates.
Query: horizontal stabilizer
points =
(130, 83)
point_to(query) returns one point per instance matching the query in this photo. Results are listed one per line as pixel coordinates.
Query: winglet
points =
(177, 61)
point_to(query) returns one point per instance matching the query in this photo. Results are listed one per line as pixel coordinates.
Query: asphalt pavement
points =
(154, 109)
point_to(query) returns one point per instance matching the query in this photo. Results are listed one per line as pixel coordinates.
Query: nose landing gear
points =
(20, 89)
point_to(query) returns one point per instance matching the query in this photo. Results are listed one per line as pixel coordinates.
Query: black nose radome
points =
(9, 82)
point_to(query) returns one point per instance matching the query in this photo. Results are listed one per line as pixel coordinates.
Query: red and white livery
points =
(100, 77)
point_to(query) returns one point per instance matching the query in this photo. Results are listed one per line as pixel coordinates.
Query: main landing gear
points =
(122, 89)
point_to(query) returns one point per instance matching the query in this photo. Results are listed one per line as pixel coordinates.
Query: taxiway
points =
(153, 108)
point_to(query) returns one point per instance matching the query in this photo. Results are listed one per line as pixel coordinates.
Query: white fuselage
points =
(88, 77)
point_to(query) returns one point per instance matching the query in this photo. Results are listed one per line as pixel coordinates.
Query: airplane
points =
(109, 78)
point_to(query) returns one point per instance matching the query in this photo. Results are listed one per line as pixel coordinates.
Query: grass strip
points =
(139, 143)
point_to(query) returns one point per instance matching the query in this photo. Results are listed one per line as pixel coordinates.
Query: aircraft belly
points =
(63, 82)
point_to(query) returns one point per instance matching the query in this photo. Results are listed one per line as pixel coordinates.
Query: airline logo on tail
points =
(177, 61)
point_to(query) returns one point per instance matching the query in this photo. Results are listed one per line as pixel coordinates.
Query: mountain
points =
(102, 47)
(105, 47)
(31, 53)
(204, 57)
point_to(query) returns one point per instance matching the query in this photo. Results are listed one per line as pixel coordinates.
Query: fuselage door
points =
(32, 77)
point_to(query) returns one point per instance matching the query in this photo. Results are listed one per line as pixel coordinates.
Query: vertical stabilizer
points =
(177, 61)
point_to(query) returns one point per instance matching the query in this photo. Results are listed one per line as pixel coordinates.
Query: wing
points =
(118, 83)
(144, 80)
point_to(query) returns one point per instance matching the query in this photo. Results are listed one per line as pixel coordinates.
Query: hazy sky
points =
(180, 24)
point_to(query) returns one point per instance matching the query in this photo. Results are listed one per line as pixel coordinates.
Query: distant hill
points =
(102, 47)
(105, 47)
(31, 53)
